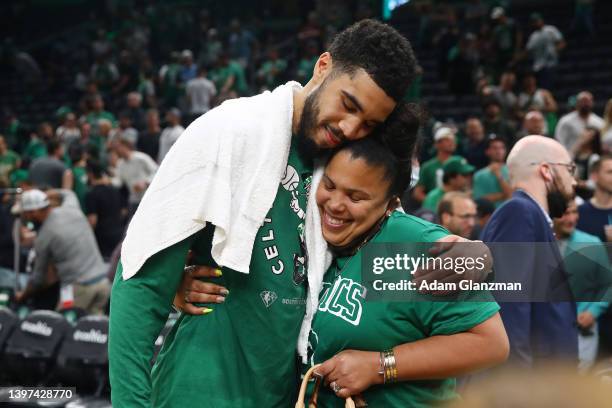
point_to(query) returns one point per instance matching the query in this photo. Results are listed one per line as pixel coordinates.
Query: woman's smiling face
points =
(351, 197)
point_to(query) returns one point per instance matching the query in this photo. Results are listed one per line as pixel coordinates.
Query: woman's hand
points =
(350, 372)
(193, 290)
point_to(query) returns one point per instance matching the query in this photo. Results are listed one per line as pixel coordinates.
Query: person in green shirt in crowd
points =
(431, 341)
(21, 176)
(271, 72)
(507, 40)
(36, 147)
(171, 87)
(97, 113)
(9, 162)
(78, 160)
(229, 78)
(456, 177)
(430, 175)
(105, 73)
(14, 131)
(493, 182)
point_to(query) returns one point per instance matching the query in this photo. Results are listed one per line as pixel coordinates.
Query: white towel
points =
(225, 169)
(319, 260)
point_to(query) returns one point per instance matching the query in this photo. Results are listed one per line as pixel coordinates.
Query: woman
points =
(431, 342)
(372, 187)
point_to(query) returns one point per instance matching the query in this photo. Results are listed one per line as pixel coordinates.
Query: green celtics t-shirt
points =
(35, 149)
(242, 355)
(347, 320)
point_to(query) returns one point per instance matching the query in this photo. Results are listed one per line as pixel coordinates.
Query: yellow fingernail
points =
(206, 311)
(218, 272)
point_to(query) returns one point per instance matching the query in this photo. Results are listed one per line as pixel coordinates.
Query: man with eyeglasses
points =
(541, 173)
(457, 213)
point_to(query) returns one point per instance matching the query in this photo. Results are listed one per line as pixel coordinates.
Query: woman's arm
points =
(436, 357)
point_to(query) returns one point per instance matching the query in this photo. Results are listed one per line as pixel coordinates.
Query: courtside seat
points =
(31, 349)
(82, 360)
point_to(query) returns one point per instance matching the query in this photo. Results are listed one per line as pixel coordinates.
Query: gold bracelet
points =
(390, 367)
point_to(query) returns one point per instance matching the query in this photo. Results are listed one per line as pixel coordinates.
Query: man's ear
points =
(546, 173)
(444, 219)
(322, 68)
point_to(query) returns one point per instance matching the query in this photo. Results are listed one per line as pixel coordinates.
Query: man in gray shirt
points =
(50, 171)
(66, 241)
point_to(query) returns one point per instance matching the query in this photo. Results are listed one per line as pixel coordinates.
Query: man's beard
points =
(584, 110)
(307, 147)
(557, 201)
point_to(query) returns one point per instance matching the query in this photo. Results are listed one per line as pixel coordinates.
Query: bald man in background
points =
(541, 173)
(533, 124)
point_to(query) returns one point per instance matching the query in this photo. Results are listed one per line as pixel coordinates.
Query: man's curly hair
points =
(391, 146)
(381, 51)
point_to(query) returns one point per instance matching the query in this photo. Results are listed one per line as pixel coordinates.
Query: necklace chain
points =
(363, 244)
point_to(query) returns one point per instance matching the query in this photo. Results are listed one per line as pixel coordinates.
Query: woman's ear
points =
(393, 204)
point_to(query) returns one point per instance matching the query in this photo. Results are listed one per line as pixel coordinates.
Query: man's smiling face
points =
(344, 107)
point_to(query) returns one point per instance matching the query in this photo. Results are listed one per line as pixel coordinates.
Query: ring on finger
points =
(186, 296)
(334, 386)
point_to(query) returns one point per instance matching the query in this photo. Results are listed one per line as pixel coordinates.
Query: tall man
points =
(541, 171)
(354, 87)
